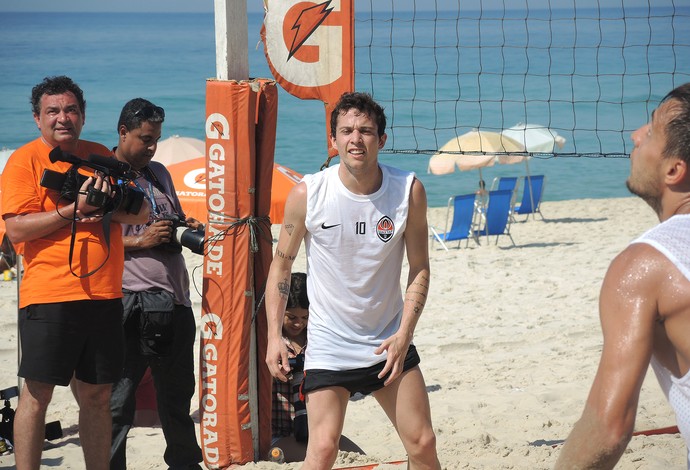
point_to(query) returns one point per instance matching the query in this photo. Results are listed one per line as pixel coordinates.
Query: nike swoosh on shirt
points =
(326, 227)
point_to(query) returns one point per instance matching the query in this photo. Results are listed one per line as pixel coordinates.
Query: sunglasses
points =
(148, 111)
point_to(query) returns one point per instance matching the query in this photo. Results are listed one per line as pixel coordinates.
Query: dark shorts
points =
(364, 380)
(82, 338)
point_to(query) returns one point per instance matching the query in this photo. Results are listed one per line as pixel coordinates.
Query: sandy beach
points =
(509, 341)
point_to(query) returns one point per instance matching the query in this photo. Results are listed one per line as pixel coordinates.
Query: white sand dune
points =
(509, 340)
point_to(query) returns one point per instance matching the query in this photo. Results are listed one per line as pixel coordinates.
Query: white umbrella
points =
(176, 149)
(535, 137)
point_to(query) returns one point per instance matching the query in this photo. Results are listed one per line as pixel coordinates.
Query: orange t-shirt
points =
(47, 277)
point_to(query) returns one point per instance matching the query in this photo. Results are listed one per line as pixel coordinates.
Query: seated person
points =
(289, 420)
(482, 195)
(289, 412)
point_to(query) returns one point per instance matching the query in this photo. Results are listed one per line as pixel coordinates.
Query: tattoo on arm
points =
(289, 228)
(284, 288)
(424, 282)
(280, 254)
(417, 294)
(418, 305)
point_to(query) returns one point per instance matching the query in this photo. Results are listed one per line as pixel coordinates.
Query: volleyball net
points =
(589, 75)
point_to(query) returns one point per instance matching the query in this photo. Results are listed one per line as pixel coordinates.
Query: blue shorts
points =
(364, 380)
(83, 338)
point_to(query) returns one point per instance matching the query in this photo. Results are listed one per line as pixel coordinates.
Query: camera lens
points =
(190, 238)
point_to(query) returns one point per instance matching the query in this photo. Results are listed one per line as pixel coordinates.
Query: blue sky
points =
(201, 6)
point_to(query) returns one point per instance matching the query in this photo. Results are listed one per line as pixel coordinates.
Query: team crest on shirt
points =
(385, 228)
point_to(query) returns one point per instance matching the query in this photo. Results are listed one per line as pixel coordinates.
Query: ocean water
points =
(168, 57)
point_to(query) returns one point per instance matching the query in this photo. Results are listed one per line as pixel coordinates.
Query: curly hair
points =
(56, 86)
(362, 102)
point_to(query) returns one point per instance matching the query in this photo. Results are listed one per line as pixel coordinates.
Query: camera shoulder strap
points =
(107, 217)
(149, 175)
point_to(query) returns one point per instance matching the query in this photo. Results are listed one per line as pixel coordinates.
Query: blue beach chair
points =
(507, 182)
(496, 219)
(504, 182)
(531, 197)
(461, 225)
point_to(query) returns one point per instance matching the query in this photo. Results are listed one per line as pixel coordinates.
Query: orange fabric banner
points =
(310, 49)
(229, 280)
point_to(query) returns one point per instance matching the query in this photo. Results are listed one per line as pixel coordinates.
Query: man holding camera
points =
(70, 294)
(158, 319)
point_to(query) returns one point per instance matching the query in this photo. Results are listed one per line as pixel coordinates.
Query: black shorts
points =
(82, 338)
(364, 380)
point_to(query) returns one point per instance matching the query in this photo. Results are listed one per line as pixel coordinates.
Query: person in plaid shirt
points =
(289, 418)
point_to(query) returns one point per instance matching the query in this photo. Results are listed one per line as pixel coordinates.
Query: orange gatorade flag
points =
(235, 386)
(310, 49)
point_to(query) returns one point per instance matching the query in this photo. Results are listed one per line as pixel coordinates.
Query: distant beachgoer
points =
(482, 195)
(357, 219)
(645, 298)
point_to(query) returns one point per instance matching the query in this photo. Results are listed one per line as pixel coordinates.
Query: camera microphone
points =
(111, 163)
(57, 155)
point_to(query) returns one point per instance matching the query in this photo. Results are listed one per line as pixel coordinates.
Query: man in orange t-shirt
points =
(70, 302)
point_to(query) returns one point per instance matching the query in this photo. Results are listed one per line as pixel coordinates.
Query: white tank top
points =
(354, 247)
(672, 239)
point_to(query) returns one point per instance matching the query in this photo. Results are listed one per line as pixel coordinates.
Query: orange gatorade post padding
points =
(240, 141)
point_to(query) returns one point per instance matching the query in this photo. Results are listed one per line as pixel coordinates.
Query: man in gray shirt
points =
(158, 318)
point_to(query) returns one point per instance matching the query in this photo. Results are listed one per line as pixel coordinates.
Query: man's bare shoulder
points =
(297, 196)
(638, 265)
(418, 194)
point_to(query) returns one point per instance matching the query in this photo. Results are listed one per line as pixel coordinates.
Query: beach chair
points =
(504, 182)
(531, 197)
(496, 220)
(507, 182)
(461, 224)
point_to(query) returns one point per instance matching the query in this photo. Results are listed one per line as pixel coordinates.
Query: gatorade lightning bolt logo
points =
(385, 228)
(309, 46)
(306, 23)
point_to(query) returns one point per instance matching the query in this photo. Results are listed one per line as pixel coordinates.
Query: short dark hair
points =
(139, 110)
(362, 102)
(678, 127)
(298, 291)
(56, 86)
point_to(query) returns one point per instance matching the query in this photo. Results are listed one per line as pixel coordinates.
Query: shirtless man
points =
(645, 297)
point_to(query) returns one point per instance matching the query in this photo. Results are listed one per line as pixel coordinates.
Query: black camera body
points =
(296, 363)
(68, 184)
(182, 235)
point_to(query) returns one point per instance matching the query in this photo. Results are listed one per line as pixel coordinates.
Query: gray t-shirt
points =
(157, 268)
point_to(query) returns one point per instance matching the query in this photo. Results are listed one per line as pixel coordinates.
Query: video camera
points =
(182, 235)
(68, 184)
